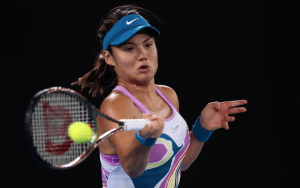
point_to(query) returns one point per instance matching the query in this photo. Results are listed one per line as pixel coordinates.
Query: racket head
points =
(48, 116)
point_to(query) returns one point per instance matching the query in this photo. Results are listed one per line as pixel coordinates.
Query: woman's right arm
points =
(133, 155)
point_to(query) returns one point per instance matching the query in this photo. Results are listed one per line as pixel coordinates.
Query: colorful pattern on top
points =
(164, 167)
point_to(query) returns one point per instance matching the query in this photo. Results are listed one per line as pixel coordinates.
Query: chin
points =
(146, 77)
(145, 80)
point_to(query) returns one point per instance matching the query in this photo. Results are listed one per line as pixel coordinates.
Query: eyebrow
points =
(126, 42)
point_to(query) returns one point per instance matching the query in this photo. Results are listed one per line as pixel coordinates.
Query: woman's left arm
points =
(214, 116)
(195, 145)
(192, 153)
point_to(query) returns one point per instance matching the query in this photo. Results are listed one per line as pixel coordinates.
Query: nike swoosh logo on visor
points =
(128, 23)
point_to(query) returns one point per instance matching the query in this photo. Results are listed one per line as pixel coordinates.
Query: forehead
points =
(140, 36)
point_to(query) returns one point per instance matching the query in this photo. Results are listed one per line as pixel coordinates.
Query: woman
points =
(154, 156)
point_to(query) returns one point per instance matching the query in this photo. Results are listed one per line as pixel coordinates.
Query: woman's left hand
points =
(215, 115)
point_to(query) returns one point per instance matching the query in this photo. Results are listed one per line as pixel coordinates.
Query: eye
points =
(149, 44)
(128, 49)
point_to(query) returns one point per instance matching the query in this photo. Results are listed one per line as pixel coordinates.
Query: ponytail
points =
(101, 76)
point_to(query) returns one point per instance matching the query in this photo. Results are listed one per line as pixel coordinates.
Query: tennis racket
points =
(47, 118)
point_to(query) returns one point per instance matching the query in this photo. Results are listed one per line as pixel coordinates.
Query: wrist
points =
(145, 141)
(200, 133)
(201, 122)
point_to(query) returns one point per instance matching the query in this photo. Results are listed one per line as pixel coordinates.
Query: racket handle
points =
(135, 124)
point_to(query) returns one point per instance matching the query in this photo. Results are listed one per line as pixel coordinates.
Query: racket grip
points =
(135, 124)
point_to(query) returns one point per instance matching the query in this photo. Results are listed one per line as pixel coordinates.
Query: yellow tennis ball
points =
(80, 132)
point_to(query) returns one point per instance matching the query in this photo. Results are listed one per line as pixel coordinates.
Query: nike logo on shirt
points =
(128, 23)
(174, 129)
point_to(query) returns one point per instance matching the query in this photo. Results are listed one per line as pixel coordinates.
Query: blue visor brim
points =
(127, 35)
(126, 28)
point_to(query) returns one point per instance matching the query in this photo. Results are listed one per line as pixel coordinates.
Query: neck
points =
(150, 88)
(144, 93)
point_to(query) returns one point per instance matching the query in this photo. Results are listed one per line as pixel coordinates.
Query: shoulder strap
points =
(165, 98)
(142, 108)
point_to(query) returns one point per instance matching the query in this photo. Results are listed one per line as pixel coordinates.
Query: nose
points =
(142, 54)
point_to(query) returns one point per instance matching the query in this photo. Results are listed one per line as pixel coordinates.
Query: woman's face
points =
(135, 60)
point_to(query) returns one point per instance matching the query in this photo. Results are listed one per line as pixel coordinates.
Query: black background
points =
(211, 51)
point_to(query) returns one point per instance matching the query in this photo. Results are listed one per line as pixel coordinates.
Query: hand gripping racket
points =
(47, 118)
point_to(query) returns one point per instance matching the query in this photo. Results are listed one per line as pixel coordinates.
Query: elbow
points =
(185, 167)
(133, 166)
(133, 172)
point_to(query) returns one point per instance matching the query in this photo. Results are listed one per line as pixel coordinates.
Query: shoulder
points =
(170, 94)
(119, 106)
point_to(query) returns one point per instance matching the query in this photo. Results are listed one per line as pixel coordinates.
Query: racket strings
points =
(52, 115)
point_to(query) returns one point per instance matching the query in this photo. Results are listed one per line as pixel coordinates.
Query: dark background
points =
(212, 51)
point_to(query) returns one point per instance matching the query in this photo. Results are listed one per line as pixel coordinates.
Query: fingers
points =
(236, 110)
(217, 105)
(233, 111)
(226, 120)
(151, 117)
(229, 119)
(226, 126)
(155, 129)
(230, 104)
(225, 123)
(223, 109)
(232, 118)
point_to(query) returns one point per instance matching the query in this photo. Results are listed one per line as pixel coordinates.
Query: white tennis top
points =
(164, 166)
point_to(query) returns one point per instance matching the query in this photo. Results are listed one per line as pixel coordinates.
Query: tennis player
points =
(156, 155)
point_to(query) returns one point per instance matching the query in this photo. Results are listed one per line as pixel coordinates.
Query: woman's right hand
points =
(155, 129)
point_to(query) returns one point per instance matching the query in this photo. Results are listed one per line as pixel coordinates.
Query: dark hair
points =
(103, 75)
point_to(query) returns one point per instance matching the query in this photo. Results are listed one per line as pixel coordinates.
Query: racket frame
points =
(86, 153)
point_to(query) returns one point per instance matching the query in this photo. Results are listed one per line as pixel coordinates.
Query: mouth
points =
(143, 68)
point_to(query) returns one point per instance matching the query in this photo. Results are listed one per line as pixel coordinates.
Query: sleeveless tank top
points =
(164, 166)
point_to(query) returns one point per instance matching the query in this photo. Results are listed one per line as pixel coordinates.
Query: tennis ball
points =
(80, 132)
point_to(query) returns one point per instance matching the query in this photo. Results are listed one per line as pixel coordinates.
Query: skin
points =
(127, 60)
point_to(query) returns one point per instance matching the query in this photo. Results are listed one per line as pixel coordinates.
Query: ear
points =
(108, 58)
